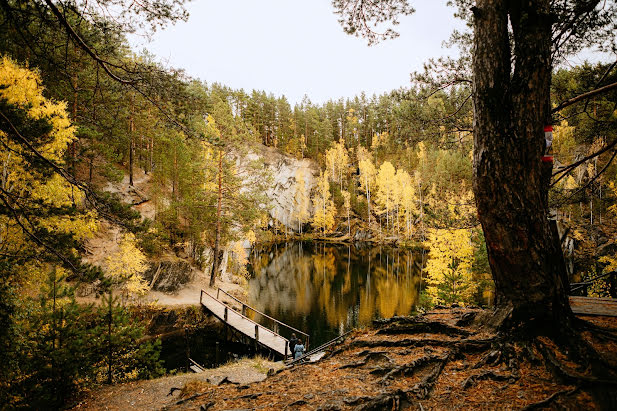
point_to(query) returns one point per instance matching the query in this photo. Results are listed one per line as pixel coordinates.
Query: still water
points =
(326, 290)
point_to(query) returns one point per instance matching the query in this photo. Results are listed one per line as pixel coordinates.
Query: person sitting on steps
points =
(298, 350)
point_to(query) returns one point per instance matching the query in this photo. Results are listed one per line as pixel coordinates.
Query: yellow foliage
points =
(81, 227)
(301, 199)
(21, 87)
(323, 218)
(362, 153)
(380, 140)
(449, 266)
(251, 237)
(368, 174)
(125, 267)
(386, 186)
(239, 256)
(337, 161)
(421, 152)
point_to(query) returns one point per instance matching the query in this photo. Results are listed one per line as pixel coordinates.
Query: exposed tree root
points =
(465, 345)
(489, 364)
(386, 401)
(548, 401)
(370, 357)
(487, 375)
(429, 327)
(567, 375)
(423, 389)
(597, 330)
(406, 369)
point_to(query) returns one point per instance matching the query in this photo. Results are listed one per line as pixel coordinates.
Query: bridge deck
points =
(245, 325)
(594, 306)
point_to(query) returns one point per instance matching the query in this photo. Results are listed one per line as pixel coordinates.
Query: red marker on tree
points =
(548, 137)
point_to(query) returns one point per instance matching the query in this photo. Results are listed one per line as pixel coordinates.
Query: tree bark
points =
(511, 91)
(131, 143)
(217, 240)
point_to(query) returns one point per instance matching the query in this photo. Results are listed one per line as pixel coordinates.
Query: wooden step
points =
(594, 306)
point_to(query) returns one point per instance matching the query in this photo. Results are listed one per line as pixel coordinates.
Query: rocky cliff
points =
(282, 169)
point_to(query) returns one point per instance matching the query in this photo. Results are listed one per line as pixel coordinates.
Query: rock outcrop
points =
(168, 276)
(282, 187)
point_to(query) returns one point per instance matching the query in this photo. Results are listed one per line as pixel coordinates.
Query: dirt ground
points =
(437, 361)
(163, 392)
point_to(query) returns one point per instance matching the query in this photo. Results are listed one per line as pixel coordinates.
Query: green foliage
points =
(359, 205)
(449, 266)
(59, 347)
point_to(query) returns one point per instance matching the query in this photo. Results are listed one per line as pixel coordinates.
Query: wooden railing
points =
(320, 348)
(256, 333)
(246, 307)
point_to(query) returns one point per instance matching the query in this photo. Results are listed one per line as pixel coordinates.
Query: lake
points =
(326, 290)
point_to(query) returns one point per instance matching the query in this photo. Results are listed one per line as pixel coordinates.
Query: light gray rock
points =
(280, 190)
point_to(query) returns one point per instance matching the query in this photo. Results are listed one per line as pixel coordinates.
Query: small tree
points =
(386, 186)
(125, 267)
(367, 181)
(451, 255)
(323, 218)
(301, 200)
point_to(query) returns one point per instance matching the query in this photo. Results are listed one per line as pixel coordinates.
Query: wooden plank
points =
(594, 306)
(244, 325)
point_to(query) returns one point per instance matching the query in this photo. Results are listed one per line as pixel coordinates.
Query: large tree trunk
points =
(510, 106)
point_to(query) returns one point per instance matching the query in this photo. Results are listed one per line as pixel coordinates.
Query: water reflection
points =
(328, 289)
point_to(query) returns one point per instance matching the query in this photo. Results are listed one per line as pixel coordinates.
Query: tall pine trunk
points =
(217, 240)
(131, 142)
(511, 108)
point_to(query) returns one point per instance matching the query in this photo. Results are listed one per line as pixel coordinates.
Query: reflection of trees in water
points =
(344, 285)
(282, 280)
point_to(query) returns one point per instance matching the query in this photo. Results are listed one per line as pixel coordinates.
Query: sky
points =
(297, 47)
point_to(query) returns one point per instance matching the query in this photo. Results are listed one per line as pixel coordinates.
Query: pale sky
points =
(297, 47)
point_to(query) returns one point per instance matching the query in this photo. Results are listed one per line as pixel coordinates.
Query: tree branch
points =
(584, 96)
(572, 166)
(82, 44)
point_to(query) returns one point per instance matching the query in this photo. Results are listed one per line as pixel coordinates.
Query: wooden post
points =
(187, 349)
(286, 348)
(225, 315)
(244, 310)
(256, 338)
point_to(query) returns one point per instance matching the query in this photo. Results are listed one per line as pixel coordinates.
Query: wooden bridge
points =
(239, 321)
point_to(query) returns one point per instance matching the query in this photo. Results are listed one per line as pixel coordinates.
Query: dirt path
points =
(154, 394)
